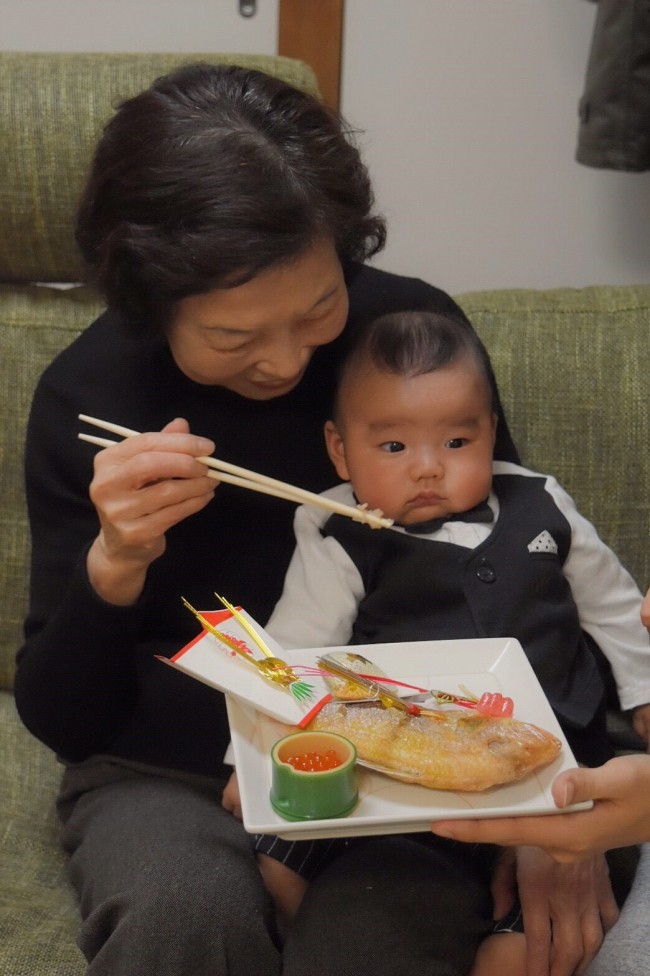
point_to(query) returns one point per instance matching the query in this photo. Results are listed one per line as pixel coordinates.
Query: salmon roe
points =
(315, 762)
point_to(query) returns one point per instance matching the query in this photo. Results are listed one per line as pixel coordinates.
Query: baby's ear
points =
(336, 449)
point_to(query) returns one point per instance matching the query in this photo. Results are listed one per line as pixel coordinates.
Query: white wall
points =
(137, 25)
(469, 112)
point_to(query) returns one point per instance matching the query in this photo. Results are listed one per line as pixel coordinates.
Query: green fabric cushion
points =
(35, 323)
(573, 368)
(52, 108)
(39, 916)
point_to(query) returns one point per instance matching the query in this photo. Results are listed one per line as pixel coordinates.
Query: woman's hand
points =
(286, 887)
(620, 815)
(567, 908)
(230, 798)
(141, 488)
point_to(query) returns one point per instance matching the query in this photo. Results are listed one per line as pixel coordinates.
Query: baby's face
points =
(416, 447)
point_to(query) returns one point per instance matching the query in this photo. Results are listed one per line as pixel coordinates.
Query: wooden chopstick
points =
(243, 478)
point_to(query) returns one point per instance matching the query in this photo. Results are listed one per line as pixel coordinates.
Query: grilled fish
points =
(453, 751)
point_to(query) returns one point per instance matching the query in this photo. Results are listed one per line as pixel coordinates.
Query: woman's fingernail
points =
(569, 793)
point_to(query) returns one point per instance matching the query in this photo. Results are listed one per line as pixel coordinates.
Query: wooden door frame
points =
(312, 30)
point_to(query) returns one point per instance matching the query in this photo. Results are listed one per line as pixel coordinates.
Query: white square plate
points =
(387, 806)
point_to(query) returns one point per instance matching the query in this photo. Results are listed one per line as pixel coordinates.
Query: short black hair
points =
(210, 176)
(412, 343)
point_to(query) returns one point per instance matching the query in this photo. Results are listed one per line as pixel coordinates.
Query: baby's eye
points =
(456, 442)
(392, 447)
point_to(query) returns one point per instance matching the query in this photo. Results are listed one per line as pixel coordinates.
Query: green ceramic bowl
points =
(308, 794)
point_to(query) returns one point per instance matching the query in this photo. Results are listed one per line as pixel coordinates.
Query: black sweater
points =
(87, 680)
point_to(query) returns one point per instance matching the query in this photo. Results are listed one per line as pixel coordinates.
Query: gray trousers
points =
(626, 949)
(168, 886)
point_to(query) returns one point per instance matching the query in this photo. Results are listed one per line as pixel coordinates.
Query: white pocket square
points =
(544, 542)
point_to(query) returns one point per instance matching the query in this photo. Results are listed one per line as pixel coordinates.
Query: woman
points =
(226, 220)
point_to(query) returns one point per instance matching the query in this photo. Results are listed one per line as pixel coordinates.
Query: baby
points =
(479, 549)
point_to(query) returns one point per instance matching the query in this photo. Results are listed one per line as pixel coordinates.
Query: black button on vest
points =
(486, 573)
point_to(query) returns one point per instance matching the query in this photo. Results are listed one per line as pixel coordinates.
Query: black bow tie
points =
(480, 513)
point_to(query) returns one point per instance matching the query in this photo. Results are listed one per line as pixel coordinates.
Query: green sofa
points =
(572, 365)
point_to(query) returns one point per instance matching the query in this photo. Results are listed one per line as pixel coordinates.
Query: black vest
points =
(418, 589)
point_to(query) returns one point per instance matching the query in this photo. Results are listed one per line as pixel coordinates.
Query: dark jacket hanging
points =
(614, 130)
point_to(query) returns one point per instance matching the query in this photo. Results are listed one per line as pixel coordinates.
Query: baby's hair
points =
(413, 343)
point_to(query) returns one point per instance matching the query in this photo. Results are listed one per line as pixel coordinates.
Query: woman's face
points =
(256, 339)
